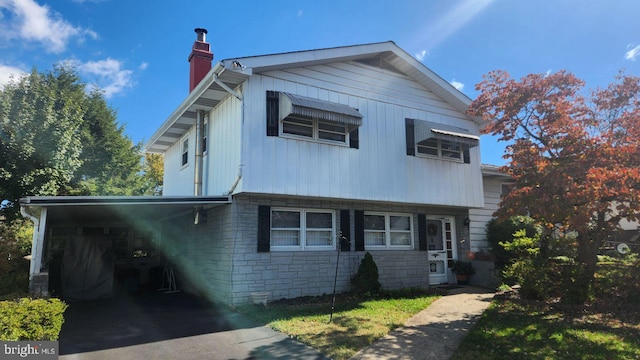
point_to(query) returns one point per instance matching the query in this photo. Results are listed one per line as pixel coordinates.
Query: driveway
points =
(154, 325)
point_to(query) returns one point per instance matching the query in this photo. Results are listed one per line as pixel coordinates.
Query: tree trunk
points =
(582, 278)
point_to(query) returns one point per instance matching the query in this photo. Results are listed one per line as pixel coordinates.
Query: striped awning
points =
(309, 108)
(427, 130)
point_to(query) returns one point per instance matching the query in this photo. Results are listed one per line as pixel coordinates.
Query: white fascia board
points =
(194, 95)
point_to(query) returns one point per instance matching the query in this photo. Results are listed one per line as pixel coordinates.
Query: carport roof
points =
(88, 208)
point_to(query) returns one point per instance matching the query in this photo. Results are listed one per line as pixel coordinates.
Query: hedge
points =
(31, 319)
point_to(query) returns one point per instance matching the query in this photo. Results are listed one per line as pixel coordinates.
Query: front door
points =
(440, 248)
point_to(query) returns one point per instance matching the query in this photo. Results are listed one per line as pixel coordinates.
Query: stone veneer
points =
(221, 261)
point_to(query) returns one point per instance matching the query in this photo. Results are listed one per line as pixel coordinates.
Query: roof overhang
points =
(228, 74)
(494, 171)
(127, 208)
(219, 83)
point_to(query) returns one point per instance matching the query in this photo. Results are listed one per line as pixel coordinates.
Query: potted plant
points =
(463, 271)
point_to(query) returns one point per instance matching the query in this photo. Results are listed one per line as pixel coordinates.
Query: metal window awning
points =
(317, 109)
(427, 130)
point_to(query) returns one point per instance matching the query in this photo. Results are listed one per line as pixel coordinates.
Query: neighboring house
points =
(273, 164)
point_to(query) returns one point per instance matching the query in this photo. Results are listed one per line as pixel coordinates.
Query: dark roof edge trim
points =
(122, 200)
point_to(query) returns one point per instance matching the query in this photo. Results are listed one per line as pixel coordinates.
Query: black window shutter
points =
(354, 139)
(411, 141)
(273, 112)
(466, 155)
(422, 232)
(264, 228)
(345, 230)
(358, 222)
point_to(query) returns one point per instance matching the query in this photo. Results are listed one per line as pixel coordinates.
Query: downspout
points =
(197, 191)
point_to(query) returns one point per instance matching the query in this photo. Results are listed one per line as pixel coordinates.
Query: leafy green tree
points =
(111, 162)
(57, 139)
(40, 117)
(154, 172)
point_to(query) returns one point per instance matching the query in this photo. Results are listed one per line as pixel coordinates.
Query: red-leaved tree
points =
(574, 156)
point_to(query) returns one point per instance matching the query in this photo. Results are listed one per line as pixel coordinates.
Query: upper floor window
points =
(440, 148)
(185, 152)
(388, 231)
(205, 131)
(315, 129)
(439, 140)
(297, 229)
(302, 117)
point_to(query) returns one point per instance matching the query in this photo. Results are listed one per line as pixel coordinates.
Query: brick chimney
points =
(199, 59)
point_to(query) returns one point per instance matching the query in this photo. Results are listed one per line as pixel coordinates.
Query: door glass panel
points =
(434, 235)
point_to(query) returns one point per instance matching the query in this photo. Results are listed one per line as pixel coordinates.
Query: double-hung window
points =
(388, 231)
(300, 117)
(185, 152)
(440, 148)
(302, 229)
(315, 129)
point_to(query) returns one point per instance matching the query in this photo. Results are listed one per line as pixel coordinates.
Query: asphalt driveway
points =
(154, 325)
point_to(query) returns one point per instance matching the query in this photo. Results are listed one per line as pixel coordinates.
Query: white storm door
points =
(437, 252)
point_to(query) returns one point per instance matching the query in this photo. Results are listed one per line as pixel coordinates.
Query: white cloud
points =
(30, 21)
(421, 55)
(143, 66)
(7, 72)
(457, 84)
(108, 75)
(633, 53)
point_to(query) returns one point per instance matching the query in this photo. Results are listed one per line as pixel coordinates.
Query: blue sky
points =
(136, 51)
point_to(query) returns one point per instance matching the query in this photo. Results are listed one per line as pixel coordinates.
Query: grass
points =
(357, 321)
(607, 327)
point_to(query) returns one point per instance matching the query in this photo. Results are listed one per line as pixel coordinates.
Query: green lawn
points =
(512, 328)
(357, 322)
(607, 327)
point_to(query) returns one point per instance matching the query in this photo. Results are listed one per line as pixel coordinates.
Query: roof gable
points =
(229, 73)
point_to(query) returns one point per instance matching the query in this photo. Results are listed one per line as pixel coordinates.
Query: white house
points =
(274, 163)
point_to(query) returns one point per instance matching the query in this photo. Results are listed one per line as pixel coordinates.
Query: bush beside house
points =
(366, 279)
(31, 319)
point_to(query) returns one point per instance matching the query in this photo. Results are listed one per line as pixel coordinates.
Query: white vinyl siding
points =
(379, 170)
(388, 231)
(302, 229)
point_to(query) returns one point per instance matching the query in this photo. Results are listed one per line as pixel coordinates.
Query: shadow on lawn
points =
(540, 331)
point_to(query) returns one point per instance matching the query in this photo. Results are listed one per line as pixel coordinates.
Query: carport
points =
(87, 248)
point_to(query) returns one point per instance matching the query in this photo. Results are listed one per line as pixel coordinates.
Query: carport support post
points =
(37, 243)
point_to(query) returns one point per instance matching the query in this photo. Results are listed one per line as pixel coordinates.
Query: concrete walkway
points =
(434, 333)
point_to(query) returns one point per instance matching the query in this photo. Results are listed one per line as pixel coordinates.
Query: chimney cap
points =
(202, 34)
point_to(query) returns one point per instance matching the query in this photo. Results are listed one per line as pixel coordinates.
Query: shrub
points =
(31, 319)
(15, 243)
(502, 232)
(366, 279)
